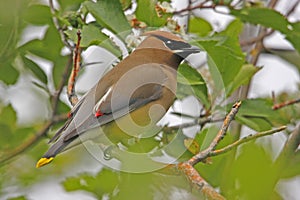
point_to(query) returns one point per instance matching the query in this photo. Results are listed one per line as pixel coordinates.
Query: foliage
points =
(214, 85)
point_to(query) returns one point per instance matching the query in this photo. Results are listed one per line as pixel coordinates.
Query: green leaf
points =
(190, 82)
(149, 186)
(253, 169)
(20, 135)
(8, 116)
(8, 119)
(70, 5)
(103, 183)
(255, 123)
(92, 35)
(263, 16)
(174, 144)
(199, 26)
(288, 162)
(8, 74)
(36, 70)
(5, 136)
(258, 114)
(71, 19)
(146, 12)
(293, 35)
(62, 107)
(126, 4)
(273, 19)
(200, 136)
(207, 136)
(48, 48)
(38, 14)
(188, 75)
(18, 198)
(208, 171)
(11, 29)
(192, 145)
(257, 108)
(242, 78)
(59, 69)
(225, 57)
(109, 14)
(144, 145)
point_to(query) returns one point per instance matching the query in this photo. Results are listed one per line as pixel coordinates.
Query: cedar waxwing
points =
(129, 99)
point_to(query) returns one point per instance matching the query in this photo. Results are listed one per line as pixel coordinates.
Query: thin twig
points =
(76, 66)
(32, 140)
(199, 122)
(293, 8)
(193, 175)
(237, 3)
(264, 34)
(188, 17)
(90, 63)
(205, 153)
(255, 52)
(58, 27)
(55, 118)
(273, 98)
(258, 47)
(244, 140)
(272, 4)
(197, 181)
(191, 8)
(286, 103)
(260, 37)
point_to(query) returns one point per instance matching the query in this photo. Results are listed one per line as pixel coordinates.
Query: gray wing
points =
(122, 107)
(134, 89)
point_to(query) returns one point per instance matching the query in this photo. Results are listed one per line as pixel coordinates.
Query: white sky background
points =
(276, 76)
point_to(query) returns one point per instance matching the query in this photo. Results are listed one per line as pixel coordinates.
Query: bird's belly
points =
(139, 122)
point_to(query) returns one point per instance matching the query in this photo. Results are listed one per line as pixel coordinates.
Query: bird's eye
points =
(169, 42)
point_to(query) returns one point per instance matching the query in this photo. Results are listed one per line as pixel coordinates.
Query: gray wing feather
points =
(126, 96)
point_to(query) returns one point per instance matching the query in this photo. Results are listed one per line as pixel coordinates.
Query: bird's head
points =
(170, 42)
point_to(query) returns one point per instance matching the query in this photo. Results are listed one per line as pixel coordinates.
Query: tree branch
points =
(58, 27)
(205, 153)
(32, 140)
(244, 140)
(293, 8)
(190, 8)
(76, 67)
(55, 100)
(260, 37)
(199, 122)
(197, 181)
(272, 3)
(286, 103)
(188, 167)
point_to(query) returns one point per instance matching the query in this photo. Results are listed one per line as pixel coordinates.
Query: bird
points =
(130, 98)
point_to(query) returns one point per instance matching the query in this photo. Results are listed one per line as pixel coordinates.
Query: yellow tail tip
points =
(43, 161)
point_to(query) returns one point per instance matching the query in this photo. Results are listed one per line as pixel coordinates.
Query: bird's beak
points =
(192, 49)
(186, 51)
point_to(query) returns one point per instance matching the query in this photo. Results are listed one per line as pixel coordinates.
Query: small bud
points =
(164, 7)
(133, 41)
